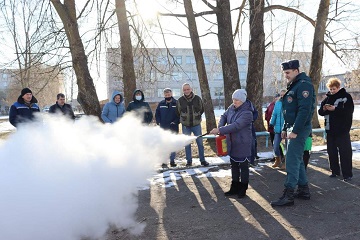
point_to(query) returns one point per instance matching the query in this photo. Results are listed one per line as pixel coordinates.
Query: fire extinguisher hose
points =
(202, 135)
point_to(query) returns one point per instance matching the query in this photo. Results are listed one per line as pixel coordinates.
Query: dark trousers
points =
(340, 145)
(240, 170)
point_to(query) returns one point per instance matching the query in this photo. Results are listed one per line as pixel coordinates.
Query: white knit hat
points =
(240, 94)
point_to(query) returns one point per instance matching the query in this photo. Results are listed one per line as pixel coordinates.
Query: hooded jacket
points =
(339, 121)
(141, 107)
(236, 124)
(21, 112)
(298, 103)
(112, 111)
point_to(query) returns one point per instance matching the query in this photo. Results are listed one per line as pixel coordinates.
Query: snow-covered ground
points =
(169, 178)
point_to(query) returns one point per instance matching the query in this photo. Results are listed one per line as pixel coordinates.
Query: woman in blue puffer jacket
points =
(277, 121)
(114, 109)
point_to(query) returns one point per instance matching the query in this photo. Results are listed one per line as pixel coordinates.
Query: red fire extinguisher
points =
(221, 146)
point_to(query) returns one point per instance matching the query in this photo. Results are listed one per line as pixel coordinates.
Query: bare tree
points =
(321, 24)
(227, 49)
(87, 96)
(127, 59)
(36, 46)
(318, 50)
(226, 44)
(200, 66)
(255, 75)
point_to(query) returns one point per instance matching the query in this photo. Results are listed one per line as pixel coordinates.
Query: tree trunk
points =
(318, 51)
(87, 96)
(227, 50)
(255, 75)
(200, 66)
(127, 60)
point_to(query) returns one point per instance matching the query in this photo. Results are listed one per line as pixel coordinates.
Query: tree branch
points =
(288, 9)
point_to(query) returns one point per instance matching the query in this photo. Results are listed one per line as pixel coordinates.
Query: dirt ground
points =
(196, 208)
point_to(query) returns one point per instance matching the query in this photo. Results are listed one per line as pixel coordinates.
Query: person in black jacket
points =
(167, 118)
(338, 108)
(23, 110)
(140, 106)
(61, 107)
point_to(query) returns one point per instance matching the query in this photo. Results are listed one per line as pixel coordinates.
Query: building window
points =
(160, 92)
(149, 93)
(178, 59)
(206, 60)
(4, 76)
(116, 78)
(191, 75)
(242, 75)
(241, 60)
(218, 92)
(217, 61)
(176, 92)
(177, 76)
(190, 60)
(218, 76)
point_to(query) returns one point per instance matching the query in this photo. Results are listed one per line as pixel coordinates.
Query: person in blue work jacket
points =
(167, 118)
(24, 109)
(114, 109)
(298, 108)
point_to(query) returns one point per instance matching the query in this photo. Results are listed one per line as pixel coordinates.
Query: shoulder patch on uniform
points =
(305, 94)
(289, 99)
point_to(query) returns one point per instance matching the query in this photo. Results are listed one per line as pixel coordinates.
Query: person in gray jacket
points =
(114, 109)
(236, 125)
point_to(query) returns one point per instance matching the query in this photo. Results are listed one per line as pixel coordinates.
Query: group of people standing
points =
(23, 109)
(289, 117)
(187, 110)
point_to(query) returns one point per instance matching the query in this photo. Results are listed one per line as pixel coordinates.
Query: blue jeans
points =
(196, 130)
(277, 140)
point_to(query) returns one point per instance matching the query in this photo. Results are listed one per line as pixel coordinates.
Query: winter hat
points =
(25, 91)
(292, 64)
(240, 94)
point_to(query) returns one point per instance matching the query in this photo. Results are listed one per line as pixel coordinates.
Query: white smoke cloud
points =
(61, 180)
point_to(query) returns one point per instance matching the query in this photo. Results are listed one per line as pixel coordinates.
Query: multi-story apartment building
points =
(44, 81)
(158, 68)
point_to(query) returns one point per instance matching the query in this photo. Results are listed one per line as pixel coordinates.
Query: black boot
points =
(233, 189)
(242, 190)
(303, 192)
(287, 198)
(306, 158)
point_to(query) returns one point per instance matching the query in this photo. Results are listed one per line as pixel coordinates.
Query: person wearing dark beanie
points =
(24, 108)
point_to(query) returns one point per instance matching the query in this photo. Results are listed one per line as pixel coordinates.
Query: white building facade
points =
(158, 68)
